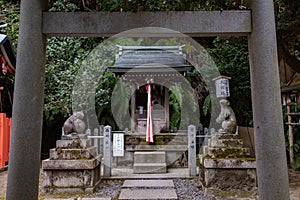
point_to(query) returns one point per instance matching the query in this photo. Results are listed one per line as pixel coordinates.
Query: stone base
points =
(76, 190)
(72, 168)
(71, 176)
(227, 165)
(230, 178)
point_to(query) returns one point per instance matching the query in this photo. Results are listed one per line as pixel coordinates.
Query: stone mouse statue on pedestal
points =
(74, 125)
(226, 118)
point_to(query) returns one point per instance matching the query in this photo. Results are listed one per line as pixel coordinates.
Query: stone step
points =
(172, 173)
(72, 154)
(74, 144)
(71, 164)
(148, 184)
(170, 147)
(148, 194)
(150, 157)
(149, 168)
(225, 143)
(219, 152)
(231, 163)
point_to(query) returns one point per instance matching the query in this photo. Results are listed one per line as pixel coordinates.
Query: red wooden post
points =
(5, 127)
(5, 131)
(2, 140)
(6, 135)
(9, 133)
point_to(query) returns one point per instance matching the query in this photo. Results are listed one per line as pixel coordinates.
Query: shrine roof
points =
(147, 58)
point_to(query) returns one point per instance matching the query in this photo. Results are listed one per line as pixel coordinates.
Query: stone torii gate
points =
(36, 24)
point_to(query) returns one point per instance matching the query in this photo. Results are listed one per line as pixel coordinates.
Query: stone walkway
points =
(148, 189)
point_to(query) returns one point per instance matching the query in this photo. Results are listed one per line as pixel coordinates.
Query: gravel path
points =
(189, 189)
(109, 188)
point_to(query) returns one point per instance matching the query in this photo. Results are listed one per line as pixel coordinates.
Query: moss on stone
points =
(58, 150)
(229, 152)
(232, 143)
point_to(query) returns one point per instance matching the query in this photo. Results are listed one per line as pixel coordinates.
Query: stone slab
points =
(148, 194)
(229, 163)
(218, 152)
(127, 174)
(148, 183)
(150, 157)
(219, 136)
(72, 144)
(171, 147)
(72, 154)
(149, 168)
(71, 164)
(213, 142)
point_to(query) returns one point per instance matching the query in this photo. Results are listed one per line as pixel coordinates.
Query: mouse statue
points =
(74, 124)
(226, 118)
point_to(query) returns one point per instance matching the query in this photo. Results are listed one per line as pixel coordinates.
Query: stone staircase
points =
(149, 162)
(148, 189)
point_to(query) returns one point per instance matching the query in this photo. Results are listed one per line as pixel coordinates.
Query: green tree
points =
(288, 28)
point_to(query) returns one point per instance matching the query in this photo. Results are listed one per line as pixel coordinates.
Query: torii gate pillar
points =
(25, 146)
(267, 114)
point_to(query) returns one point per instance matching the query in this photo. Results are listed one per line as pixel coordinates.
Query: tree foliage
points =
(288, 29)
(9, 14)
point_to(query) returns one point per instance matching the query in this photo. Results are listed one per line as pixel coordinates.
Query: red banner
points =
(149, 130)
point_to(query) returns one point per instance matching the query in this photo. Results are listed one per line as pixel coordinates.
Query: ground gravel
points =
(109, 188)
(186, 189)
(190, 189)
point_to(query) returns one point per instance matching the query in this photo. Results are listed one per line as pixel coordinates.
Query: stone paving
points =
(148, 189)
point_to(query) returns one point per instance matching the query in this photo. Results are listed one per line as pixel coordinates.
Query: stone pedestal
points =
(226, 165)
(73, 167)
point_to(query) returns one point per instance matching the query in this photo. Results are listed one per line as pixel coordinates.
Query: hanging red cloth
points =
(149, 129)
